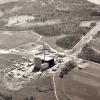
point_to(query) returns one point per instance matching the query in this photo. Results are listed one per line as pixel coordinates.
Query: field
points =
(68, 12)
(39, 89)
(51, 40)
(69, 41)
(7, 60)
(80, 84)
(61, 35)
(10, 40)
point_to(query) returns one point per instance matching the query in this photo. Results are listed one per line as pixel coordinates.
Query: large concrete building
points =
(42, 62)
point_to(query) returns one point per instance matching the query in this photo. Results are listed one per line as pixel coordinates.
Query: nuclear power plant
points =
(42, 63)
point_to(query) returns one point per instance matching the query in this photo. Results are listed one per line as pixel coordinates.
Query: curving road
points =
(83, 76)
(86, 39)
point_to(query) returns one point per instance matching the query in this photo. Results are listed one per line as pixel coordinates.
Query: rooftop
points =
(47, 57)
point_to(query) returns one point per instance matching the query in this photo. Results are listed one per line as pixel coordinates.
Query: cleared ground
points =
(80, 84)
(14, 39)
(41, 89)
(11, 40)
(69, 12)
(7, 60)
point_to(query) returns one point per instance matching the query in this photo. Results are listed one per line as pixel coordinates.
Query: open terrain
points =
(10, 40)
(38, 89)
(80, 84)
(91, 48)
(58, 24)
(68, 12)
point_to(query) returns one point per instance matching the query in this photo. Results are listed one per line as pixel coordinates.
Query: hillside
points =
(37, 33)
(49, 8)
(69, 13)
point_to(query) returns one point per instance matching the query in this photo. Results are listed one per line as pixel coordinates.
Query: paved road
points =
(86, 39)
(80, 85)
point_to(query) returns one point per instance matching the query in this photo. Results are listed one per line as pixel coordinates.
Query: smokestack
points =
(44, 51)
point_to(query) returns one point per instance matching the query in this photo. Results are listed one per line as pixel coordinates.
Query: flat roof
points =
(46, 57)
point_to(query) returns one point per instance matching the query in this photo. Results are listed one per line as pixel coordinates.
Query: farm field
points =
(10, 40)
(57, 30)
(80, 84)
(38, 89)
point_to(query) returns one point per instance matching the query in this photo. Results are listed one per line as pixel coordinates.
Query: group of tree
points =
(5, 97)
(31, 98)
(67, 68)
(89, 53)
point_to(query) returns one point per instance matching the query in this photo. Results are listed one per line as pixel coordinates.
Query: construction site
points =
(49, 50)
(42, 62)
(39, 61)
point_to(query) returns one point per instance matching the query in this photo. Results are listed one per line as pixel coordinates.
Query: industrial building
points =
(43, 63)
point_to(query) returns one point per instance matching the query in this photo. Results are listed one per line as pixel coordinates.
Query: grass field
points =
(68, 41)
(69, 12)
(79, 84)
(13, 39)
(7, 60)
(10, 40)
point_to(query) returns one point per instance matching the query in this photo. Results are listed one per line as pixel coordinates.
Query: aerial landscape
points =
(49, 49)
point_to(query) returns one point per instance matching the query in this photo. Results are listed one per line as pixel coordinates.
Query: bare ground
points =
(80, 84)
(41, 89)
